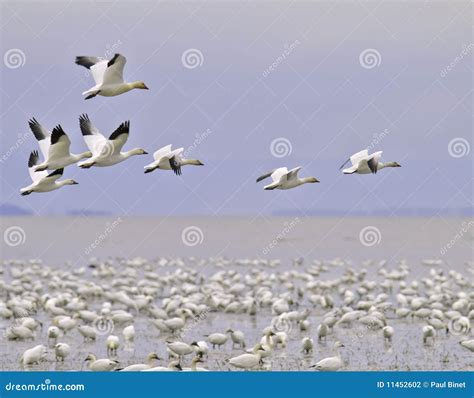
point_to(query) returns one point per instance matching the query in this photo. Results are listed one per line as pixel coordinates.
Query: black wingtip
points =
(56, 172)
(56, 134)
(33, 159)
(112, 61)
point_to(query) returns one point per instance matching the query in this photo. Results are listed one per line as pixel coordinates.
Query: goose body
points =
(167, 158)
(180, 348)
(34, 355)
(62, 350)
(330, 364)
(246, 361)
(469, 344)
(42, 180)
(101, 365)
(106, 152)
(138, 367)
(55, 147)
(284, 179)
(363, 163)
(108, 76)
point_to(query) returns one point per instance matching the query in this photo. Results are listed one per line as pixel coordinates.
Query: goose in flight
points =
(284, 179)
(106, 152)
(54, 147)
(363, 163)
(108, 76)
(170, 159)
(42, 181)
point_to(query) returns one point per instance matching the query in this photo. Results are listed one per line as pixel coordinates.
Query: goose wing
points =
(118, 138)
(42, 135)
(373, 161)
(52, 177)
(279, 173)
(357, 157)
(266, 175)
(60, 144)
(114, 71)
(293, 173)
(175, 160)
(94, 140)
(33, 161)
(162, 152)
(96, 66)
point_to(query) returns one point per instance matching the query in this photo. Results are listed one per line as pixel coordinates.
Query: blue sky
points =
(322, 96)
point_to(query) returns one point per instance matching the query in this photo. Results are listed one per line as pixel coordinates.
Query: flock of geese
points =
(183, 316)
(105, 152)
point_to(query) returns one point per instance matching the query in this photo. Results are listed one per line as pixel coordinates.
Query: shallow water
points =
(66, 243)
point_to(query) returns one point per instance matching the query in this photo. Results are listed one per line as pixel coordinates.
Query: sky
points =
(247, 87)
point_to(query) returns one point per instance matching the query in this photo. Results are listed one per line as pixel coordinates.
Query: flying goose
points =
(54, 147)
(106, 152)
(108, 76)
(42, 181)
(168, 159)
(284, 179)
(363, 163)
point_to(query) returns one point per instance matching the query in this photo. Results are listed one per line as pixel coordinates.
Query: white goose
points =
(108, 76)
(100, 365)
(34, 355)
(363, 163)
(138, 367)
(247, 361)
(42, 181)
(284, 179)
(54, 147)
(330, 363)
(106, 152)
(167, 158)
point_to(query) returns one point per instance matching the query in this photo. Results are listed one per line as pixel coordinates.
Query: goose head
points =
(141, 85)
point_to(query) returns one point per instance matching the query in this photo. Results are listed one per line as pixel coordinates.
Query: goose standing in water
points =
(34, 355)
(363, 163)
(108, 76)
(331, 363)
(150, 362)
(284, 179)
(247, 361)
(101, 365)
(106, 152)
(42, 181)
(167, 158)
(54, 147)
